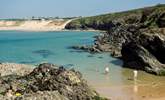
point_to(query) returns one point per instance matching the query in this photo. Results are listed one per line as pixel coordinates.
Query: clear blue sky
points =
(63, 8)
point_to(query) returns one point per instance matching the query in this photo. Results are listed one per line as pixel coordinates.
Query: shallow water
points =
(53, 47)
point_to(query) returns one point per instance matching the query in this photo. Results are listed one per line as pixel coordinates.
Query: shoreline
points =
(50, 30)
(153, 91)
(40, 26)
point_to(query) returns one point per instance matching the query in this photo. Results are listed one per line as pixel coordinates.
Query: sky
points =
(68, 8)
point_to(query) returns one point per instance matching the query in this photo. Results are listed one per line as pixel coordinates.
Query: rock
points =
(40, 95)
(12, 68)
(155, 44)
(146, 54)
(9, 93)
(4, 88)
(45, 95)
(49, 77)
(161, 20)
(91, 49)
(112, 40)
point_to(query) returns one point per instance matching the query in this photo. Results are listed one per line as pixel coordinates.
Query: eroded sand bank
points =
(34, 25)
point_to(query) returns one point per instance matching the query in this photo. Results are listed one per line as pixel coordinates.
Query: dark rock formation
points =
(138, 57)
(140, 48)
(91, 49)
(68, 84)
(145, 53)
(161, 20)
(112, 40)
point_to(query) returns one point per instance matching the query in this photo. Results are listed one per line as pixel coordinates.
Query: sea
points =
(34, 48)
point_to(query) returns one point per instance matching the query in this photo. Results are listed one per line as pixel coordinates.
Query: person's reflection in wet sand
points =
(107, 77)
(135, 87)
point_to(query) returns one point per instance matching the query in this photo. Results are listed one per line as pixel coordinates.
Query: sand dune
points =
(34, 25)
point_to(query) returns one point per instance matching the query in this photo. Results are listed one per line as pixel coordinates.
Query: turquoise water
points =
(37, 47)
(53, 47)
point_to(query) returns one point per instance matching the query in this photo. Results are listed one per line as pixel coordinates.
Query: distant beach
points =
(34, 25)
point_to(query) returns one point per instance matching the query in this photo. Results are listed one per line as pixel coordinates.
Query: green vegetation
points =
(148, 16)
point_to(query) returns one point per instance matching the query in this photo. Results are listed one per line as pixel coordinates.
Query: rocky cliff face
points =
(145, 54)
(138, 37)
(47, 82)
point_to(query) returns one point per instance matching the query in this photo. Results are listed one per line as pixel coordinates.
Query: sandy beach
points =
(152, 91)
(34, 25)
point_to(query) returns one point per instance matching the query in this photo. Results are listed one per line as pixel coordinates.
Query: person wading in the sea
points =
(135, 74)
(106, 70)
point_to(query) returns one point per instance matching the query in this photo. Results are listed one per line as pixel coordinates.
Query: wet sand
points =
(153, 91)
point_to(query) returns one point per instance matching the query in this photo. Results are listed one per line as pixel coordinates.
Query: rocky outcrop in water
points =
(91, 49)
(146, 54)
(139, 48)
(137, 36)
(48, 82)
(112, 40)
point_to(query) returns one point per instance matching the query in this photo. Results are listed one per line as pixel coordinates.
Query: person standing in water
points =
(106, 70)
(135, 74)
